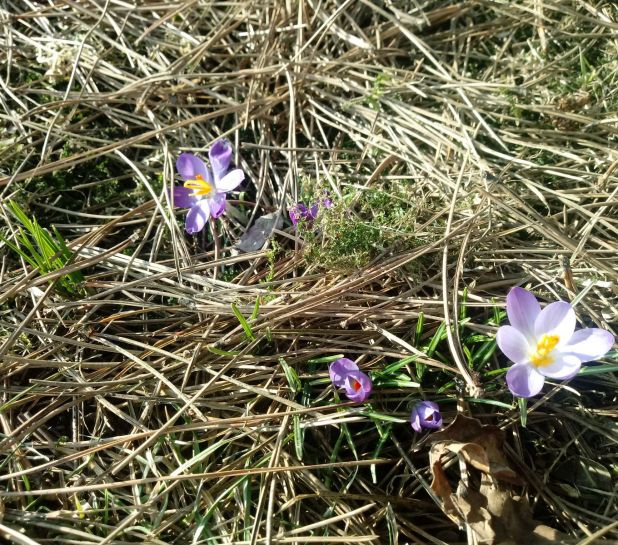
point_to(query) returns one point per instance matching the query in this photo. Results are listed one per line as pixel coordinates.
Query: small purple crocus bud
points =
(345, 374)
(426, 414)
(357, 386)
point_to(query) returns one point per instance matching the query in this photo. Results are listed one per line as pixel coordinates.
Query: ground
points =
(166, 388)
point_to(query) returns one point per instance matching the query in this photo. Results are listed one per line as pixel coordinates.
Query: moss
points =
(350, 244)
(372, 100)
(229, 273)
(363, 225)
(90, 187)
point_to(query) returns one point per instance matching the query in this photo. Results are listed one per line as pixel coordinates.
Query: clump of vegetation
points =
(365, 224)
(43, 250)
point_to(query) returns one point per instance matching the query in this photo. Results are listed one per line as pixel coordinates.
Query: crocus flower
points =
(345, 374)
(544, 343)
(202, 193)
(426, 414)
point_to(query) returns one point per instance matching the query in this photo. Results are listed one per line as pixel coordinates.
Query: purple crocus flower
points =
(426, 414)
(203, 193)
(345, 374)
(544, 343)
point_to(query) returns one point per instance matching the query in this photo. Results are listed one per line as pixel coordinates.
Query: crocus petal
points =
(217, 205)
(589, 344)
(339, 369)
(524, 381)
(183, 198)
(357, 386)
(189, 167)
(415, 421)
(430, 416)
(564, 366)
(428, 406)
(513, 344)
(197, 217)
(522, 309)
(556, 319)
(220, 155)
(230, 181)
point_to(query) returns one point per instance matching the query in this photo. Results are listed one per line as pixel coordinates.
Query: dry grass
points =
(136, 407)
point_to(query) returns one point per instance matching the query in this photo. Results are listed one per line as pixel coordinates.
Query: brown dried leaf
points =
(479, 446)
(442, 488)
(493, 511)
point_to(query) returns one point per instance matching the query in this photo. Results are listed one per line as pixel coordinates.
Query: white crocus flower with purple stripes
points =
(203, 193)
(544, 343)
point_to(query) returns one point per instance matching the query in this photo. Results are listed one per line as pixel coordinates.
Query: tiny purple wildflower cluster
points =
(299, 212)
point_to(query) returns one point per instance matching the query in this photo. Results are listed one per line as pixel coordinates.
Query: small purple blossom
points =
(326, 200)
(345, 374)
(339, 369)
(544, 343)
(202, 192)
(426, 414)
(299, 212)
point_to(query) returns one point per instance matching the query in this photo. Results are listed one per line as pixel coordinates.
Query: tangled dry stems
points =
(139, 409)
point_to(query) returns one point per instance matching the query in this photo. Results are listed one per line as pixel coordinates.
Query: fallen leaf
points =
(257, 235)
(478, 445)
(484, 499)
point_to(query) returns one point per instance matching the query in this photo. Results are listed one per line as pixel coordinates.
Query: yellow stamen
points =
(200, 187)
(542, 357)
